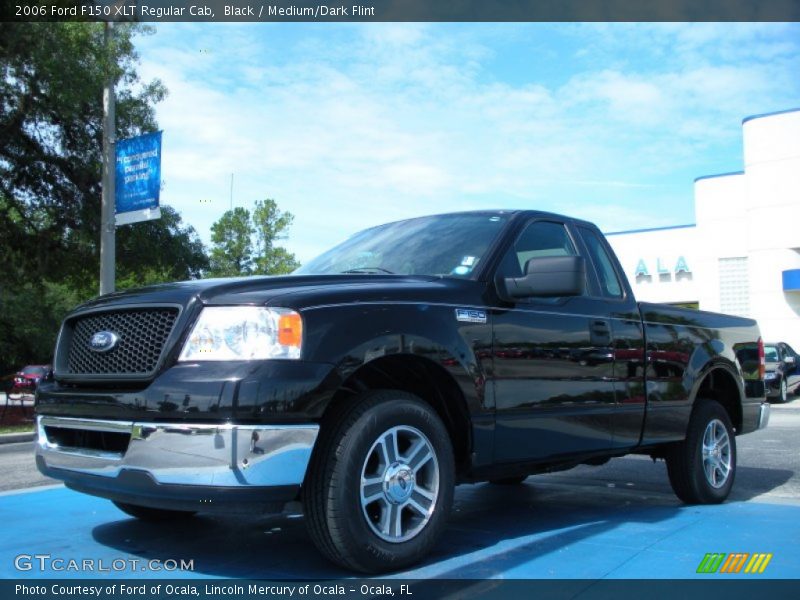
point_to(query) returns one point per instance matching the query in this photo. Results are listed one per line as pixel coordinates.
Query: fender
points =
(718, 364)
(703, 367)
(350, 336)
(672, 396)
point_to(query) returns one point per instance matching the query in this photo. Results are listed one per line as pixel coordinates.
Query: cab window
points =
(538, 239)
(609, 281)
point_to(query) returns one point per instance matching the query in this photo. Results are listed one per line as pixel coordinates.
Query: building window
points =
(734, 286)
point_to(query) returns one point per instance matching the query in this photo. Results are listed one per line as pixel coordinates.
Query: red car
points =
(27, 379)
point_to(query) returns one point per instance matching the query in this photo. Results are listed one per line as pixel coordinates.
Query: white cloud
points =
(355, 125)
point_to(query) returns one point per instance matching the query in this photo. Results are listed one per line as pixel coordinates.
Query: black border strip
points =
(709, 588)
(155, 11)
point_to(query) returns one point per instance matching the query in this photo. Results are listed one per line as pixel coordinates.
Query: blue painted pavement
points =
(531, 531)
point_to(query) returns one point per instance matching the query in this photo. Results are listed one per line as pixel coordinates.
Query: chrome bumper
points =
(226, 455)
(763, 415)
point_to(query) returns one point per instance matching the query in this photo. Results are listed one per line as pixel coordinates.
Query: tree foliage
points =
(232, 249)
(51, 136)
(181, 253)
(51, 82)
(272, 225)
(245, 243)
(30, 320)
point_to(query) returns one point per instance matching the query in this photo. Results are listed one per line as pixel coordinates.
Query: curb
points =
(16, 438)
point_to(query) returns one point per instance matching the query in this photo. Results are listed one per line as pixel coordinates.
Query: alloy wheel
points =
(716, 453)
(399, 484)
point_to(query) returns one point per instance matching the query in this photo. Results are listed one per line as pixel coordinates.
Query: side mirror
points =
(546, 277)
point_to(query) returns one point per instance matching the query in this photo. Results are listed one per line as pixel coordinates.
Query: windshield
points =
(771, 354)
(451, 245)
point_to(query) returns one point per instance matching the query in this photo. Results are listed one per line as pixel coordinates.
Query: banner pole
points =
(107, 217)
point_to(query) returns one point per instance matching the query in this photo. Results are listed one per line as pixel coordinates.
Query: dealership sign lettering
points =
(681, 266)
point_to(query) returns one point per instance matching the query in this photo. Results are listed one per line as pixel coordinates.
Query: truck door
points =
(553, 360)
(622, 312)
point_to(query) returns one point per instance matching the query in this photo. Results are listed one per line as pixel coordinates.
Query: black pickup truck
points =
(477, 346)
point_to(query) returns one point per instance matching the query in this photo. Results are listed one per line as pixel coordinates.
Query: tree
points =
(51, 81)
(245, 244)
(31, 311)
(181, 253)
(30, 320)
(271, 225)
(279, 261)
(51, 139)
(232, 251)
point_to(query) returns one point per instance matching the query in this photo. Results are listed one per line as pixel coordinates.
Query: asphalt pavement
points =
(619, 520)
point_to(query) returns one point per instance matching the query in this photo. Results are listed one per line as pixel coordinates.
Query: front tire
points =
(380, 485)
(702, 468)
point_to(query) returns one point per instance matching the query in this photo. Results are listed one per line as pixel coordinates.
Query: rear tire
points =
(145, 513)
(702, 468)
(380, 484)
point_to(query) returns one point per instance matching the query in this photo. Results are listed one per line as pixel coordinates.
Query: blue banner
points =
(138, 178)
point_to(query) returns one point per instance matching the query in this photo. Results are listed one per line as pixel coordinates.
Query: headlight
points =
(771, 375)
(244, 333)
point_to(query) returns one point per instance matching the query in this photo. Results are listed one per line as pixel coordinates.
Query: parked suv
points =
(783, 371)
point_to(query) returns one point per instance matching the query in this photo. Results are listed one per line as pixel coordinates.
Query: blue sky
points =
(351, 125)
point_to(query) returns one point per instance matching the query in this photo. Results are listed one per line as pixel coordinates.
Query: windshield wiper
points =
(368, 270)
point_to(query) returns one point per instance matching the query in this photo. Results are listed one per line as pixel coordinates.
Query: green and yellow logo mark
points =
(733, 563)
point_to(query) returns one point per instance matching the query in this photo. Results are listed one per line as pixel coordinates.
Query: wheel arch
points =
(720, 382)
(419, 376)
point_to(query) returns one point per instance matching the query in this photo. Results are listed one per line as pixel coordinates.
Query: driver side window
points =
(538, 239)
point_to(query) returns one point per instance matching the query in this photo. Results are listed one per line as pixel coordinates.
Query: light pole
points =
(107, 217)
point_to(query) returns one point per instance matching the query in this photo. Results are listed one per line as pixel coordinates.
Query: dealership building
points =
(742, 254)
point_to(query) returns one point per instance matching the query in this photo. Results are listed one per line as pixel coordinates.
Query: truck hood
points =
(291, 291)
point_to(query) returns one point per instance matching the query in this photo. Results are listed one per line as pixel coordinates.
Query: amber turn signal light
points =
(290, 330)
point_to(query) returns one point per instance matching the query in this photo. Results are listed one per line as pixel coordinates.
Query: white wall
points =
(662, 247)
(720, 217)
(772, 184)
(753, 214)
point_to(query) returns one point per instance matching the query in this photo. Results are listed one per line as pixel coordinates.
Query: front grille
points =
(142, 335)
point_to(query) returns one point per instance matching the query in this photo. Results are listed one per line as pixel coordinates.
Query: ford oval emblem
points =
(103, 341)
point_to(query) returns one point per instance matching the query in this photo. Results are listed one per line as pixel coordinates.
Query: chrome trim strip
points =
(225, 454)
(89, 424)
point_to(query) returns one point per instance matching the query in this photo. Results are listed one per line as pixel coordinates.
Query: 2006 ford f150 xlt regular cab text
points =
(480, 346)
